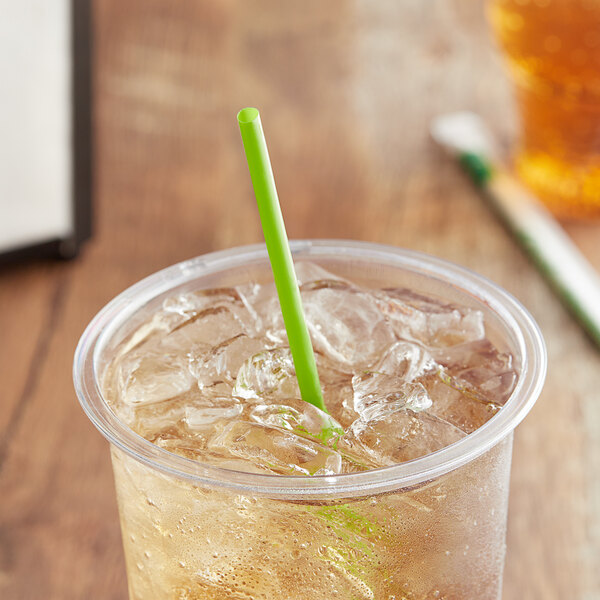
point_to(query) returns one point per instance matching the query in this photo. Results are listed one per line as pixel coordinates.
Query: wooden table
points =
(346, 90)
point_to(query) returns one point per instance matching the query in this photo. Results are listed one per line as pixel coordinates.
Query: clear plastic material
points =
(433, 527)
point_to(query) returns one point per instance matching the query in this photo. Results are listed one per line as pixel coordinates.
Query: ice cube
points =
(151, 420)
(486, 383)
(221, 363)
(191, 305)
(459, 403)
(406, 361)
(474, 382)
(262, 304)
(208, 327)
(276, 450)
(336, 383)
(480, 369)
(377, 395)
(152, 376)
(386, 387)
(496, 385)
(190, 446)
(433, 323)
(267, 373)
(198, 417)
(262, 301)
(300, 417)
(345, 324)
(161, 323)
(184, 416)
(184, 309)
(479, 353)
(339, 399)
(398, 437)
(195, 448)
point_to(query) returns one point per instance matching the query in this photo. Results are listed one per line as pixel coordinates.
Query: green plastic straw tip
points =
(247, 115)
(280, 256)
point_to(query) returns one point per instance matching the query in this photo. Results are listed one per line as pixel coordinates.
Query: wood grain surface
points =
(346, 90)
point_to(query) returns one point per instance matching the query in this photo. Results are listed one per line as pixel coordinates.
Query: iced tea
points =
(553, 52)
(232, 487)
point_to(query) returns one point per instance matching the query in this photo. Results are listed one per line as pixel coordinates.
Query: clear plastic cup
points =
(430, 528)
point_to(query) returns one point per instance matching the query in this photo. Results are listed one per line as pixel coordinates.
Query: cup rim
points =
(514, 317)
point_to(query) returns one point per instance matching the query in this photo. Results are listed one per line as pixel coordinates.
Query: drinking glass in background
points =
(553, 52)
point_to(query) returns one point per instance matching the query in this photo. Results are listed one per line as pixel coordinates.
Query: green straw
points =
(280, 256)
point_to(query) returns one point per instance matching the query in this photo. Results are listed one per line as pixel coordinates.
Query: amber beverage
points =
(553, 53)
(234, 493)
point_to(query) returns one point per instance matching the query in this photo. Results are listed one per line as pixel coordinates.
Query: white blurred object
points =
(37, 136)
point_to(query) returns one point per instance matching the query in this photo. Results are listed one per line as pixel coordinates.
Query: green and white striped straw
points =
(577, 283)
